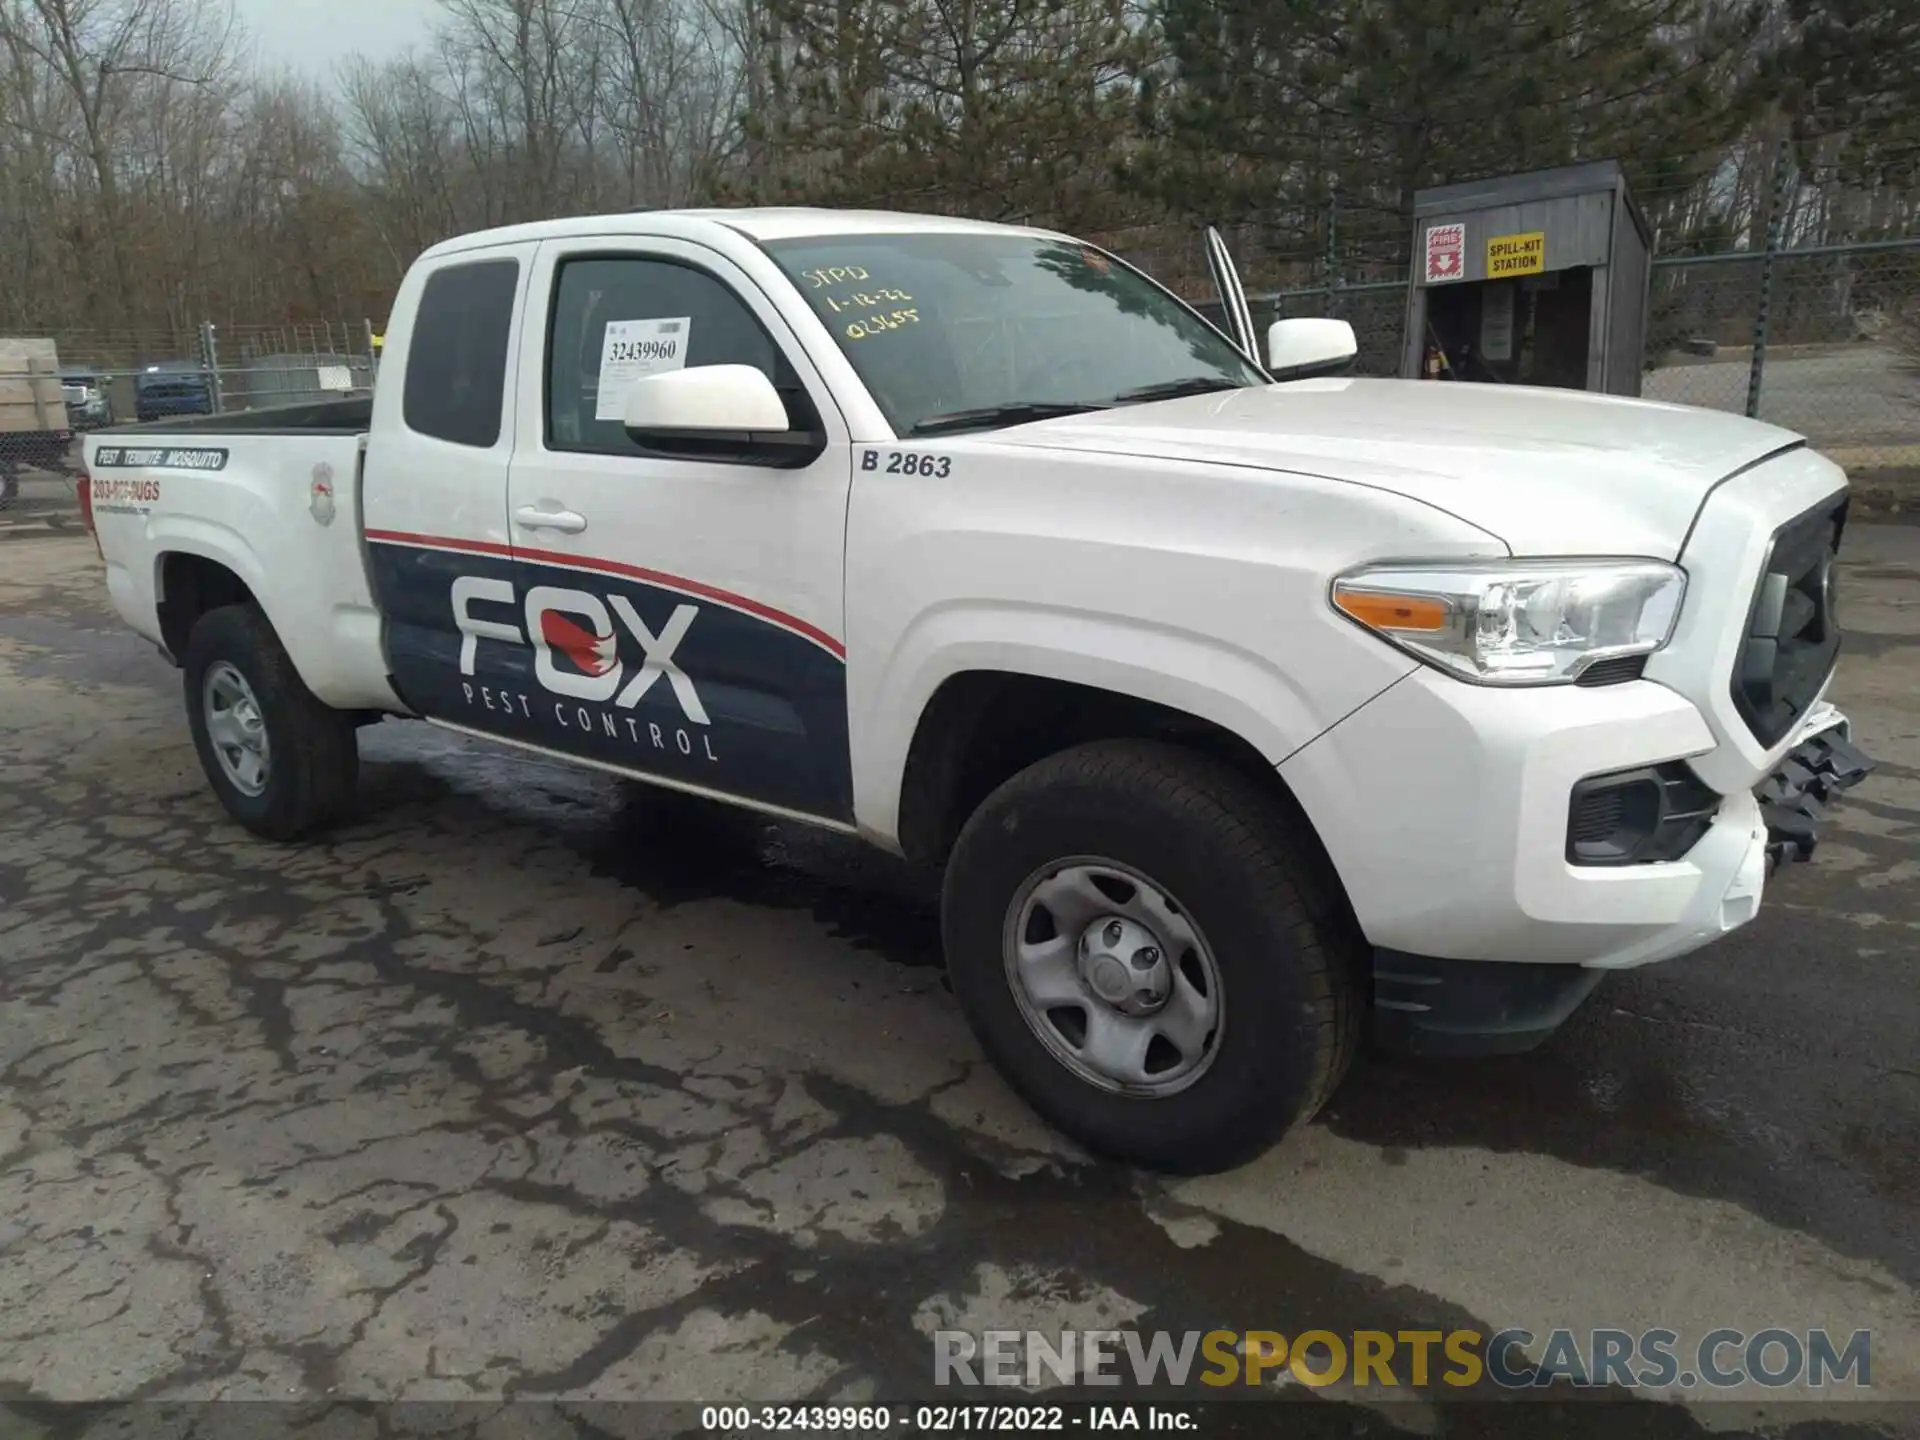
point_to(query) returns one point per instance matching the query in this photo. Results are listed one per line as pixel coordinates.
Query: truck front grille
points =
(1793, 633)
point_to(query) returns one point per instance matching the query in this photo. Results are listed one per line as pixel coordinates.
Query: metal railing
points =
(135, 376)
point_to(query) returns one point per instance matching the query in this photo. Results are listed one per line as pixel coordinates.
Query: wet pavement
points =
(43, 503)
(529, 1084)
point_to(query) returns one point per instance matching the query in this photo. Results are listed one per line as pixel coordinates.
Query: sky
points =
(311, 36)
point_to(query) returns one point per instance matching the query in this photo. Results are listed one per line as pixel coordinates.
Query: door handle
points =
(534, 519)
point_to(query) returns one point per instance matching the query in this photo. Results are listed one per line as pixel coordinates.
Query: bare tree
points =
(150, 179)
(671, 89)
(529, 54)
(108, 57)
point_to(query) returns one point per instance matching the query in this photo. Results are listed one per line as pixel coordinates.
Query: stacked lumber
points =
(31, 401)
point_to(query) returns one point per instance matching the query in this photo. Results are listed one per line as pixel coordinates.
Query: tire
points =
(1263, 907)
(312, 758)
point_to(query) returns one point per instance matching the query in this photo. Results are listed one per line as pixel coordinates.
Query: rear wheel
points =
(1143, 945)
(283, 763)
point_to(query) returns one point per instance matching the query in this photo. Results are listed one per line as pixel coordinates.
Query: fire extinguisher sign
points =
(1446, 253)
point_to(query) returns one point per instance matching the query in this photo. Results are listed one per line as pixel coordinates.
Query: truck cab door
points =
(1233, 297)
(682, 608)
(434, 487)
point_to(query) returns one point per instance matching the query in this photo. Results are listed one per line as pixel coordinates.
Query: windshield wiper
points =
(1016, 412)
(1175, 389)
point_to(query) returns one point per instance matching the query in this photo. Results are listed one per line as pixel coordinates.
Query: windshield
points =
(968, 331)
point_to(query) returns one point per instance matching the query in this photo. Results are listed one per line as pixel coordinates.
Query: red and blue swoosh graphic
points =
(773, 687)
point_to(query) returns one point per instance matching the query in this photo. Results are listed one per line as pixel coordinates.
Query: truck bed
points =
(271, 496)
(350, 416)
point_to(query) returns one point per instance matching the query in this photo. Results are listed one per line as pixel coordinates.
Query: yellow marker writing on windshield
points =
(832, 275)
(880, 324)
(868, 299)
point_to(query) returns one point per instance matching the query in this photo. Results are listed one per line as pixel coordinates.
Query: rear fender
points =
(333, 648)
(222, 545)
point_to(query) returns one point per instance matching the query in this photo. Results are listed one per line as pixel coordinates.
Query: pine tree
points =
(1270, 109)
(1001, 109)
(1850, 71)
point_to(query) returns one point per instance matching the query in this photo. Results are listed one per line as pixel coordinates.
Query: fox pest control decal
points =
(619, 665)
(320, 494)
(577, 654)
(1446, 252)
(113, 495)
(110, 457)
(633, 349)
(136, 495)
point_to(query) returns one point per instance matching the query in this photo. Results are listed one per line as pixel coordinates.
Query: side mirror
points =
(1297, 349)
(716, 412)
(714, 397)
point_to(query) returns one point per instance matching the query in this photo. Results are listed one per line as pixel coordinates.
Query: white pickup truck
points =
(1238, 702)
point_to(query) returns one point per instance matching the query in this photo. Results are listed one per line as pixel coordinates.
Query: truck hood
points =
(1549, 472)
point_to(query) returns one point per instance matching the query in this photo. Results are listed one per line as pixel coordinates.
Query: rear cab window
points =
(457, 359)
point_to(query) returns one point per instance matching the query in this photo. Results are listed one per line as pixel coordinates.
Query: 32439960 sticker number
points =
(908, 462)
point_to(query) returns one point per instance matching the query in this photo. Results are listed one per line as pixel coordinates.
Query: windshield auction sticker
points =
(632, 350)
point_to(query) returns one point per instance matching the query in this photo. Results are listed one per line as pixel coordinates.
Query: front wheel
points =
(283, 763)
(1143, 946)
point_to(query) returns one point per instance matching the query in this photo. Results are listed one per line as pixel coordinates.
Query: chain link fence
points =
(1818, 341)
(1823, 341)
(121, 377)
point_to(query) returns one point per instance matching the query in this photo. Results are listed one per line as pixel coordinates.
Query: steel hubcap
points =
(1113, 977)
(1122, 962)
(236, 729)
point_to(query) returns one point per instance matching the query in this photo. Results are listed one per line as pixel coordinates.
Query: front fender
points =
(1244, 693)
(1197, 586)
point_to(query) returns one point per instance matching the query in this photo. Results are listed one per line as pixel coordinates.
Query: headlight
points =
(1517, 622)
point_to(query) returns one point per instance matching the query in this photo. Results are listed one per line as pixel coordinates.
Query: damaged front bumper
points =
(1429, 1006)
(1812, 775)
